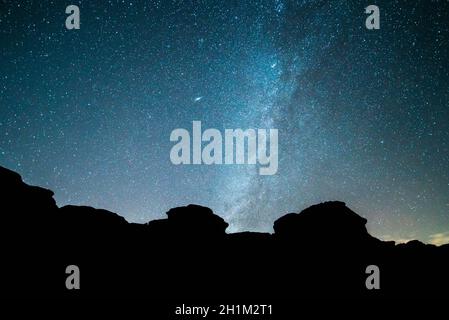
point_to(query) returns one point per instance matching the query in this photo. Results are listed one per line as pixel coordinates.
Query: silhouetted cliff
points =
(321, 252)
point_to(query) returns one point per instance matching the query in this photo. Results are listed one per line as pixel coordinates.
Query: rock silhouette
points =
(322, 251)
(190, 222)
(329, 222)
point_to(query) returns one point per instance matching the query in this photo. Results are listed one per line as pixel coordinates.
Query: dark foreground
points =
(189, 256)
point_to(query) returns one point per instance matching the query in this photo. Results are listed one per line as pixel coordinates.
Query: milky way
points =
(362, 114)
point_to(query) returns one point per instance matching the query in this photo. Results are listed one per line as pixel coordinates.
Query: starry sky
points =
(362, 114)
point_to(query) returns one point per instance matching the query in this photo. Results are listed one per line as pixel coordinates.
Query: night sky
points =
(362, 114)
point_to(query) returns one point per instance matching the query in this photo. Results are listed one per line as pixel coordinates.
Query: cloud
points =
(439, 239)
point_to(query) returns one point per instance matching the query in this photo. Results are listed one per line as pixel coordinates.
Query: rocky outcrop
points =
(322, 251)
